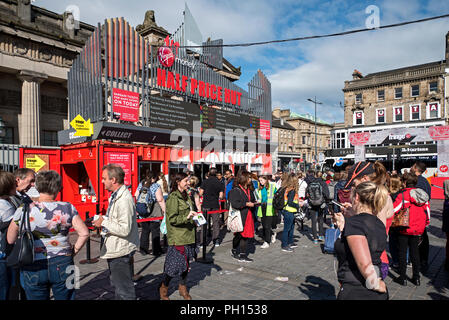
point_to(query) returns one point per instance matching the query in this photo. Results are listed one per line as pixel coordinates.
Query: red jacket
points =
(417, 201)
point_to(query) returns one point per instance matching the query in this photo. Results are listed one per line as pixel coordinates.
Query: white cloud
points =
(330, 62)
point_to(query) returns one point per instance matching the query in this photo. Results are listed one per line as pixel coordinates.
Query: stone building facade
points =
(36, 51)
(37, 48)
(409, 97)
(301, 143)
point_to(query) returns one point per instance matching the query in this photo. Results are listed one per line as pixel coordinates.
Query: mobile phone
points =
(337, 204)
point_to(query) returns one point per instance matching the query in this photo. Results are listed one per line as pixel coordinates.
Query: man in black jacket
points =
(317, 195)
(212, 191)
(419, 168)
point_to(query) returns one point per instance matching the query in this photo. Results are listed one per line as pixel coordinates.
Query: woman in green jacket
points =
(266, 193)
(180, 236)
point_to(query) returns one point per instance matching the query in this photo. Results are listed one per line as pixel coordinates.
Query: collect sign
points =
(126, 103)
(122, 159)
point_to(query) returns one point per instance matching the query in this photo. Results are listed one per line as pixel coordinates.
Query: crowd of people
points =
(364, 202)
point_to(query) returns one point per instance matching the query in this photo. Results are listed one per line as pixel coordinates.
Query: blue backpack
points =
(143, 204)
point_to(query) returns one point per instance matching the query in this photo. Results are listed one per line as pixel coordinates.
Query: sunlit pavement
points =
(311, 274)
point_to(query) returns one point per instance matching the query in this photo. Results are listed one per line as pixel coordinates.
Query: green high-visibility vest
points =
(270, 195)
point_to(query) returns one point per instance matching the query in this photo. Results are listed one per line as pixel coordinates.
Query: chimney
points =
(356, 75)
(24, 10)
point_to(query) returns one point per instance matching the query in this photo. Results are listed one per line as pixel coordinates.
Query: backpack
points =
(143, 207)
(315, 194)
(278, 199)
(344, 195)
(331, 187)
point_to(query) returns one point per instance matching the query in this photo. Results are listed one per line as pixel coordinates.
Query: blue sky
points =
(303, 69)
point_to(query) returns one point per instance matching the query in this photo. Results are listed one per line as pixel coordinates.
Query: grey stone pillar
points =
(29, 120)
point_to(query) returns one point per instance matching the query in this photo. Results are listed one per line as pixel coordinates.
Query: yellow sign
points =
(35, 163)
(83, 128)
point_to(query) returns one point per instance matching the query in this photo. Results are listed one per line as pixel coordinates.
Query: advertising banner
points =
(441, 135)
(126, 104)
(124, 160)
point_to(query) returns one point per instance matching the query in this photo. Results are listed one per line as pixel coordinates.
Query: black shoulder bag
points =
(23, 252)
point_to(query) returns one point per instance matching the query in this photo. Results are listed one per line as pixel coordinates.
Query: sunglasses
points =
(356, 173)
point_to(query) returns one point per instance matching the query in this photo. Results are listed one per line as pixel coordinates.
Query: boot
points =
(163, 292)
(183, 292)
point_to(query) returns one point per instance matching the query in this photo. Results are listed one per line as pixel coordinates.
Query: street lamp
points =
(315, 102)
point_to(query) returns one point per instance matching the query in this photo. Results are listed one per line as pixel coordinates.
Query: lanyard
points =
(246, 192)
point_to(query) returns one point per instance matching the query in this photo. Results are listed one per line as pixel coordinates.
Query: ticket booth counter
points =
(81, 170)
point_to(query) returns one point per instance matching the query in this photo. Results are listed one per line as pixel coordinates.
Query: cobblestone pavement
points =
(311, 274)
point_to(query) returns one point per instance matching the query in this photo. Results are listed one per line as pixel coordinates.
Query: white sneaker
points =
(265, 245)
(273, 238)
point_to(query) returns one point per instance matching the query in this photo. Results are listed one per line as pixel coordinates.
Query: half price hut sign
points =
(181, 83)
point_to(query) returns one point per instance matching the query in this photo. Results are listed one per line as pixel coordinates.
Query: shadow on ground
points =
(317, 289)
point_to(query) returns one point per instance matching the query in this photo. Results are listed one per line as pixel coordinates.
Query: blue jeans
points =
(289, 227)
(5, 279)
(38, 278)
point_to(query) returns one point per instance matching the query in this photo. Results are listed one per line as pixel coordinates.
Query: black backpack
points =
(278, 199)
(315, 194)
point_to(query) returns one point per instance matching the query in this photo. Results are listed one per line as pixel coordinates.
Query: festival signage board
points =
(126, 104)
(124, 160)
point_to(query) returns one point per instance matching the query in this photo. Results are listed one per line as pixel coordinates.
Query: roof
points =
(308, 116)
(276, 123)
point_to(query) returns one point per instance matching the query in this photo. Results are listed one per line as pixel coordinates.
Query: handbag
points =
(23, 252)
(163, 227)
(234, 220)
(401, 218)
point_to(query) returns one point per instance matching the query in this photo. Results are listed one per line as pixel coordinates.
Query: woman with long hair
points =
(374, 172)
(360, 247)
(164, 185)
(290, 185)
(415, 200)
(180, 236)
(266, 192)
(241, 198)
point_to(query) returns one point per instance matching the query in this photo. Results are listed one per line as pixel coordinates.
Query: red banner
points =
(126, 103)
(359, 138)
(265, 129)
(124, 160)
(439, 133)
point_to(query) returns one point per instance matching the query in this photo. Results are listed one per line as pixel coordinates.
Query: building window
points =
(380, 115)
(358, 118)
(358, 98)
(415, 91)
(433, 87)
(398, 93)
(415, 112)
(9, 136)
(398, 114)
(49, 138)
(380, 95)
(433, 110)
(340, 141)
(303, 139)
